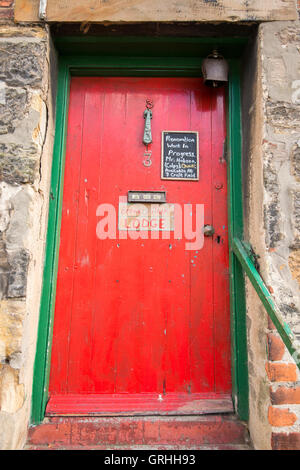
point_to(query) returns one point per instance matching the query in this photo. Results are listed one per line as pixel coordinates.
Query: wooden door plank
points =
(83, 307)
(202, 309)
(177, 355)
(67, 250)
(222, 352)
(145, 254)
(108, 323)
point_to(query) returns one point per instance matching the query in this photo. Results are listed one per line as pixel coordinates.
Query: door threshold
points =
(148, 404)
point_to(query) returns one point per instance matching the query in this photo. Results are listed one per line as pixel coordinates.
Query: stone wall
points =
(281, 154)
(25, 149)
(253, 192)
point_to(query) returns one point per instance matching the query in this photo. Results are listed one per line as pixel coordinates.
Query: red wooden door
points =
(140, 325)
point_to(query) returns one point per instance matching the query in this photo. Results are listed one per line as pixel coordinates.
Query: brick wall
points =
(6, 9)
(284, 410)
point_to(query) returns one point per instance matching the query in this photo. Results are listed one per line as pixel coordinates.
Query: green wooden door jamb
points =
(42, 358)
(141, 66)
(236, 229)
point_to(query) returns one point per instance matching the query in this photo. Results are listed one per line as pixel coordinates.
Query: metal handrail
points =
(292, 344)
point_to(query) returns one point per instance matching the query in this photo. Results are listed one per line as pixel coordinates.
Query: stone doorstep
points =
(184, 432)
(145, 448)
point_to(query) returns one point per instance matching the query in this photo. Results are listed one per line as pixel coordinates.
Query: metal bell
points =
(215, 70)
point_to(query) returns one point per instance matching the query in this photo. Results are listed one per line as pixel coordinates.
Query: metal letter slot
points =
(147, 196)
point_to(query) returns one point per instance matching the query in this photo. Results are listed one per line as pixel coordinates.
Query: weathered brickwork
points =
(6, 10)
(283, 441)
(284, 408)
(284, 395)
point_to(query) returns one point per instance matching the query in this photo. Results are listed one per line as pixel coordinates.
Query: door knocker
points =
(147, 139)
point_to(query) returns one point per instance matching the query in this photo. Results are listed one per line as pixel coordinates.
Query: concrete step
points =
(138, 433)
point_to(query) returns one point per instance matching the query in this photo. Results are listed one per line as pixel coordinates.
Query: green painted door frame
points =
(142, 56)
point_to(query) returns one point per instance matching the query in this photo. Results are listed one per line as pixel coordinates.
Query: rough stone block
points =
(18, 163)
(17, 278)
(11, 391)
(13, 107)
(296, 201)
(289, 35)
(284, 116)
(12, 313)
(14, 258)
(296, 161)
(294, 263)
(21, 64)
(272, 218)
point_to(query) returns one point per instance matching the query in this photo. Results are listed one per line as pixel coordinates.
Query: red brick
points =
(285, 395)
(278, 372)
(276, 347)
(282, 441)
(281, 417)
(6, 14)
(6, 3)
(51, 433)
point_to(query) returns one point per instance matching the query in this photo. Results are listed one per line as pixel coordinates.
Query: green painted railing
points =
(241, 251)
